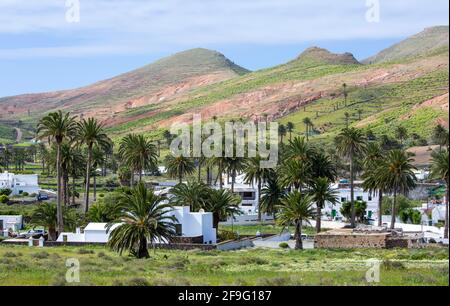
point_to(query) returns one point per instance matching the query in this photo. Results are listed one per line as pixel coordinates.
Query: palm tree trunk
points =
(51, 234)
(298, 236)
(233, 180)
(259, 200)
(199, 172)
(307, 132)
(394, 204)
(143, 249)
(59, 217)
(180, 176)
(319, 218)
(73, 189)
(446, 213)
(95, 188)
(88, 179)
(352, 193)
(216, 220)
(380, 208)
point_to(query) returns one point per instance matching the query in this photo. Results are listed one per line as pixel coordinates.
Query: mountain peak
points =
(321, 55)
(426, 42)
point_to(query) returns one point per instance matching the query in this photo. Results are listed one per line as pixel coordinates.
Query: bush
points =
(4, 199)
(227, 235)
(5, 191)
(101, 195)
(25, 194)
(284, 245)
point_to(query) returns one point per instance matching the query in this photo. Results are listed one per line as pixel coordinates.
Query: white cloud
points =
(142, 24)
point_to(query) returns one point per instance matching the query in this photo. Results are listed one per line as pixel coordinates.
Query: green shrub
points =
(4, 199)
(25, 194)
(225, 235)
(284, 245)
(5, 191)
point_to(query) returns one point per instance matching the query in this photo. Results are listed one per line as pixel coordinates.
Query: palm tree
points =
(298, 149)
(439, 170)
(323, 166)
(401, 133)
(223, 204)
(255, 173)
(192, 194)
(344, 87)
(347, 119)
(351, 143)
(295, 173)
(58, 127)
(307, 122)
(90, 133)
(372, 160)
(360, 112)
(234, 165)
(138, 153)
(290, 128)
(440, 136)
(271, 195)
(296, 209)
(321, 192)
(167, 136)
(143, 220)
(46, 215)
(178, 167)
(282, 131)
(396, 173)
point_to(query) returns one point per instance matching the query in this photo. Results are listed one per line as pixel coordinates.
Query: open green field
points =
(21, 265)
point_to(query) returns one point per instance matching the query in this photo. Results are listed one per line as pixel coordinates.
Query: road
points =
(19, 135)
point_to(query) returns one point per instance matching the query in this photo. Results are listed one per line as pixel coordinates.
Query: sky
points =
(48, 45)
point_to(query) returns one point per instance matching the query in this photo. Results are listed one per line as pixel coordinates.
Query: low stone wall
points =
(350, 240)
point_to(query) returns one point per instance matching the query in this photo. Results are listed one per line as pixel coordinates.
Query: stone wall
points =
(349, 240)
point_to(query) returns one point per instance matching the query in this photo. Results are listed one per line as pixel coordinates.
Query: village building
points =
(19, 183)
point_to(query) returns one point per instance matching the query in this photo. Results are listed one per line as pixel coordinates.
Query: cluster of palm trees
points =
(295, 191)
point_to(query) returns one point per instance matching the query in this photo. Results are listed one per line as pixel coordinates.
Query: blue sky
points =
(41, 51)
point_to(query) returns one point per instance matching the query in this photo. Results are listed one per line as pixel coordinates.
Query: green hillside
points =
(426, 42)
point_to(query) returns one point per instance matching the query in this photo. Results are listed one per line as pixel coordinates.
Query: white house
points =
(438, 214)
(248, 194)
(343, 193)
(19, 183)
(189, 225)
(13, 223)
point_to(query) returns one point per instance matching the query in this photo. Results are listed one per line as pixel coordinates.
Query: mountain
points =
(412, 93)
(323, 56)
(153, 83)
(430, 40)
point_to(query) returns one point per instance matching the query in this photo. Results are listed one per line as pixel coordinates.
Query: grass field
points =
(20, 265)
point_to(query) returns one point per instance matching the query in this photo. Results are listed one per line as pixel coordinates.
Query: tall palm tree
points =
(296, 209)
(401, 133)
(440, 136)
(439, 170)
(178, 167)
(298, 149)
(321, 193)
(307, 122)
(57, 127)
(234, 165)
(290, 128)
(143, 220)
(323, 166)
(396, 173)
(271, 195)
(295, 173)
(344, 87)
(90, 133)
(351, 143)
(255, 173)
(372, 183)
(138, 153)
(282, 131)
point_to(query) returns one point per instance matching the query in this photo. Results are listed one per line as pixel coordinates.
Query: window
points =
(245, 204)
(247, 196)
(370, 198)
(343, 200)
(359, 198)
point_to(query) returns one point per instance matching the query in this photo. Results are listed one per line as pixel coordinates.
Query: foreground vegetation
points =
(20, 265)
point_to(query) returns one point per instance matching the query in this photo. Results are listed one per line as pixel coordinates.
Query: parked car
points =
(35, 233)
